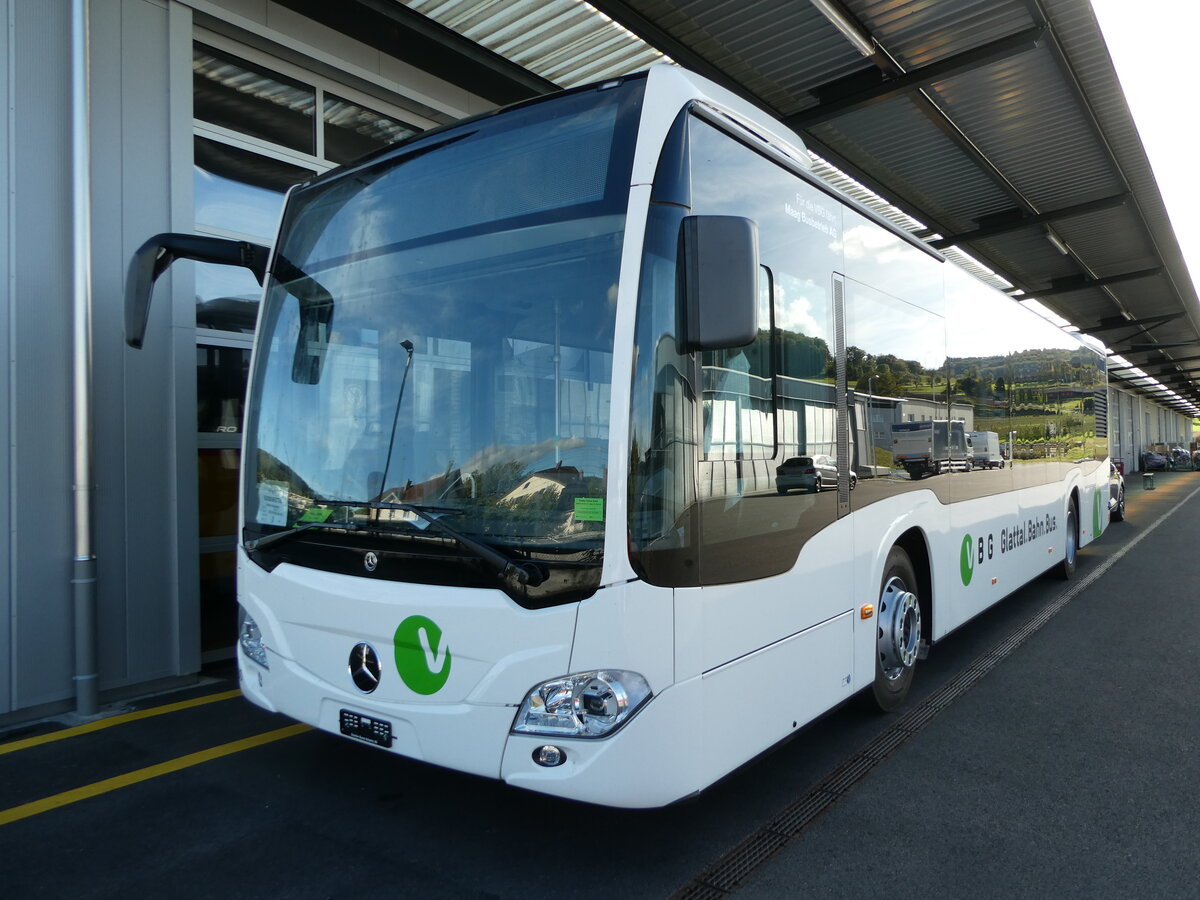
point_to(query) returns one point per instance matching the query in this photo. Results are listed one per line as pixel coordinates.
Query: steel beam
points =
(1151, 348)
(1015, 220)
(1083, 283)
(442, 52)
(916, 79)
(1144, 325)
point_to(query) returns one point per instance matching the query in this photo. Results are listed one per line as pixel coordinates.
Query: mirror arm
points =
(156, 255)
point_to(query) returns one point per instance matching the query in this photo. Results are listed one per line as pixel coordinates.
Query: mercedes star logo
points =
(370, 561)
(364, 667)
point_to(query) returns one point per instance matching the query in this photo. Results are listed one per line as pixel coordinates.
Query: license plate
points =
(365, 728)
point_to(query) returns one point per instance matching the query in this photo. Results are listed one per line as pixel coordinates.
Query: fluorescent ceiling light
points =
(861, 43)
(1058, 243)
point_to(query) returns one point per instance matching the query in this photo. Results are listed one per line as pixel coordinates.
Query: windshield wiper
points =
(277, 536)
(526, 573)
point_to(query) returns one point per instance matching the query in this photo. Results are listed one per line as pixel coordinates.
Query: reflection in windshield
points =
(467, 360)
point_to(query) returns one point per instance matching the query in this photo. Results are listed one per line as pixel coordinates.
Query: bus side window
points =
(739, 413)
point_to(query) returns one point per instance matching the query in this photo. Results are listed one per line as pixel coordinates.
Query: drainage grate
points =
(733, 869)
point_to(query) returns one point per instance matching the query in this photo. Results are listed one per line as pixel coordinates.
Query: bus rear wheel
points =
(897, 633)
(1066, 569)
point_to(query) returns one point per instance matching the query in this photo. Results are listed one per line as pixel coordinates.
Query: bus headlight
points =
(586, 705)
(250, 638)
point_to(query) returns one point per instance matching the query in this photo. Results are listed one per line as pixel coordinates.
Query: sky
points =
(1150, 44)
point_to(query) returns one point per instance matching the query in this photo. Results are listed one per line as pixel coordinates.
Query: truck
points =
(930, 447)
(985, 450)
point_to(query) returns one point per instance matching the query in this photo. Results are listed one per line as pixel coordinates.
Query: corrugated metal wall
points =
(135, 467)
(6, 404)
(39, 414)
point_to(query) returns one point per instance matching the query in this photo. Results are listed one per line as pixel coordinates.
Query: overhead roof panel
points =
(1075, 25)
(918, 32)
(564, 41)
(1023, 116)
(922, 166)
(1091, 236)
(1030, 248)
(777, 49)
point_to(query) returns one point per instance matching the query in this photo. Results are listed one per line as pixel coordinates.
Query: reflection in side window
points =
(1025, 380)
(807, 403)
(239, 191)
(774, 401)
(739, 415)
(895, 360)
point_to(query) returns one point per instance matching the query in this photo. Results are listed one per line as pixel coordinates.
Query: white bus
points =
(520, 388)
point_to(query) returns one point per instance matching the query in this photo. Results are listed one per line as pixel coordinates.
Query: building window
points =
(256, 132)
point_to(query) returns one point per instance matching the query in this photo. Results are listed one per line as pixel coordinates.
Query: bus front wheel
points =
(897, 633)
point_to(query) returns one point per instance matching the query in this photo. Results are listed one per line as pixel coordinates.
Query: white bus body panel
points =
(719, 623)
(999, 543)
(699, 729)
(627, 626)
(311, 620)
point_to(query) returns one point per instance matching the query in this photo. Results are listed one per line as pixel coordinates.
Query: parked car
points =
(1152, 461)
(1180, 458)
(1116, 494)
(808, 473)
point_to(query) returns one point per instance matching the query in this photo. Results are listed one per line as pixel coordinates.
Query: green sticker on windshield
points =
(312, 514)
(589, 509)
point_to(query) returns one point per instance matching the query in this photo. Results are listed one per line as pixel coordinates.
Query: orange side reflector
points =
(994, 580)
(867, 611)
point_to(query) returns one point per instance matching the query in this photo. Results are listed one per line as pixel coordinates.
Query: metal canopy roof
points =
(998, 125)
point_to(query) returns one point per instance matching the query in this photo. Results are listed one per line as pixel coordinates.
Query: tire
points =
(782, 491)
(897, 632)
(1066, 568)
(1118, 511)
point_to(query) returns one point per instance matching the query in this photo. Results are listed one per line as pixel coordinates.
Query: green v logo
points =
(966, 560)
(422, 659)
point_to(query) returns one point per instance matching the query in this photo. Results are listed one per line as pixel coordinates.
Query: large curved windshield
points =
(439, 331)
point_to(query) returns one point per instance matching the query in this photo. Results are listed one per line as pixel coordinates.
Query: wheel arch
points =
(1071, 542)
(1073, 497)
(915, 543)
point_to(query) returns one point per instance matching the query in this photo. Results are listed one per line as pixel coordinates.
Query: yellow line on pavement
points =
(66, 798)
(87, 727)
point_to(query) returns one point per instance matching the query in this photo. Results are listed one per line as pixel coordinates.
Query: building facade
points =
(201, 115)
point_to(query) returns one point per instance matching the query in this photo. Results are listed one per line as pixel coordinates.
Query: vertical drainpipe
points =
(83, 573)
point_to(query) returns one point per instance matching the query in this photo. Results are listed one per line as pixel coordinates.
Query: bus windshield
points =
(438, 334)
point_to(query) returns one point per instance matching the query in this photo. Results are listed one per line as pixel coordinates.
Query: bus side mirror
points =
(719, 257)
(156, 255)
